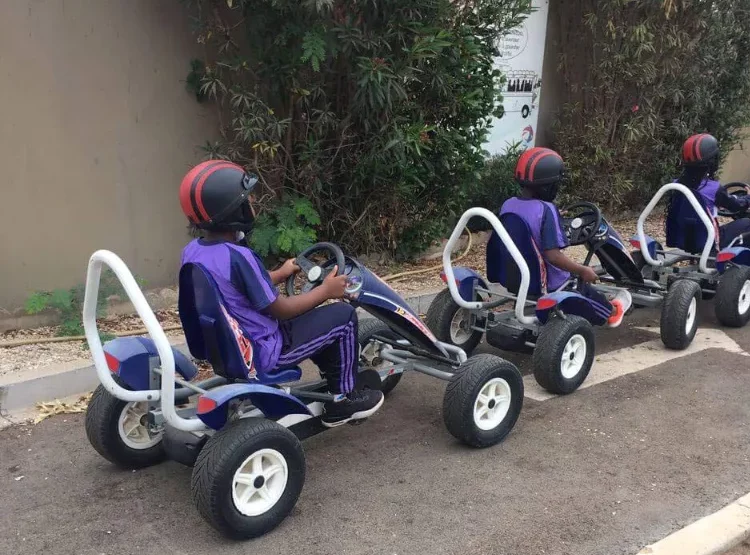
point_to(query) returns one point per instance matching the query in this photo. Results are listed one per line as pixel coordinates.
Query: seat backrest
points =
(685, 230)
(212, 333)
(502, 269)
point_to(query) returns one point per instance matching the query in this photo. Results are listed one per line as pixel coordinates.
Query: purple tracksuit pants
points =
(328, 336)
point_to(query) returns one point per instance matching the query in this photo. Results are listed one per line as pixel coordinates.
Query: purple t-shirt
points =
(708, 189)
(247, 291)
(547, 232)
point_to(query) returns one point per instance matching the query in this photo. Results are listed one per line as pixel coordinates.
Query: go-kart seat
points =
(685, 230)
(213, 335)
(502, 269)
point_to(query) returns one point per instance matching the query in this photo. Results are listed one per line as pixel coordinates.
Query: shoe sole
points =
(361, 415)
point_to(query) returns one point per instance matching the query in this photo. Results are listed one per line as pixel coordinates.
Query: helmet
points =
(213, 196)
(700, 150)
(540, 170)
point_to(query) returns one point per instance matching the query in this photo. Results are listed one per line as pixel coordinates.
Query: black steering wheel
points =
(581, 222)
(314, 273)
(735, 189)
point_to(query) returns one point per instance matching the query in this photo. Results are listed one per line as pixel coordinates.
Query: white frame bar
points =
(512, 249)
(703, 263)
(155, 331)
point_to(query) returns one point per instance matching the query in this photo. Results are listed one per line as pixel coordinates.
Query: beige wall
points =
(736, 167)
(96, 132)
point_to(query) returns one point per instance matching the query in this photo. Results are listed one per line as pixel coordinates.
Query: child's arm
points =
(333, 287)
(281, 274)
(730, 202)
(557, 257)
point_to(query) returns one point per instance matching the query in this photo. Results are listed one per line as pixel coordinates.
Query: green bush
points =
(69, 302)
(286, 229)
(638, 78)
(375, 111)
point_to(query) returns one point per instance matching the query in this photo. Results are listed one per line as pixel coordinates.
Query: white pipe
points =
(512, 249)
(155, 331)
(711, 237)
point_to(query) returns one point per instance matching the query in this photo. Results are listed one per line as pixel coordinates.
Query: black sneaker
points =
(354, 406)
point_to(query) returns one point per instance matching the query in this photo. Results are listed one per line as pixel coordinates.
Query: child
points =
(700, 161)
(539, 172)
(216, 196)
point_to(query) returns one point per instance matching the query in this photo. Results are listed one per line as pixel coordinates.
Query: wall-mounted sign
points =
(521, 58)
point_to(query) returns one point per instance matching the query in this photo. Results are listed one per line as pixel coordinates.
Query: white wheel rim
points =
(132, 429)
(259, 482)
(461, 327)
(690, 320)
(743, 303)
(573, 357)
(492, 404)
(370, 356)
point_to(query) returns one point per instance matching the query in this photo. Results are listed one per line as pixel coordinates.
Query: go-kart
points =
(624, 269)
(241, 429)
(557, 326)
(695, 256)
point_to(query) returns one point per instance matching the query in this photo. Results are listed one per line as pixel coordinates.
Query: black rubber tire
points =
(550, 346)
(368, 328)
(674, 312)
(439, 315)
(102, 421)
(222, 456)
(728, 295)
(461, 395)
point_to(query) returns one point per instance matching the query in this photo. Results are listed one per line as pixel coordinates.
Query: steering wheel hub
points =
(314, 273)
(576, 223)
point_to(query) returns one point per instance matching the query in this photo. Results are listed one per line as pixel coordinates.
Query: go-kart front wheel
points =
(564, 354)
(483, 400)
(732, 302)
(369, 351)
(452, 324)
(119, 432)
(248, 477)
(679, 314)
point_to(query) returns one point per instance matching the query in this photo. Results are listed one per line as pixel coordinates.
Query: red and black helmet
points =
(539, 166)
(700, 150)
(213, 196)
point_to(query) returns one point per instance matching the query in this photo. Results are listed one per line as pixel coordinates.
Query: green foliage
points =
(285, 229)
(638, 78)
(69, 302)
(194, 79)
(375, 111)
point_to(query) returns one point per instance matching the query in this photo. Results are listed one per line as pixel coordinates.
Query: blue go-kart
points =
(240, 429)
(557, 326)
(694, 256)
(619, 267)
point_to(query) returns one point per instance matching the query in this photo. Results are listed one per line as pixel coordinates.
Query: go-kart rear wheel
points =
(248, 477)
(679, 314)
(452, 324)
(369, 351)
(119, 432)
(564, 354)
(483, 400)
(732, 302)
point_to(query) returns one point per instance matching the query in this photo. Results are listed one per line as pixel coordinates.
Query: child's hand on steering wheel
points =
(588, 274)
(290, 268)
(335, 286)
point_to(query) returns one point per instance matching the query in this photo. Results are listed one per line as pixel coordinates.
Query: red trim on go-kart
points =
(445, 279)
(635, 243)
(545, 304)
(724, 256)
(112, 363)
(205, 405)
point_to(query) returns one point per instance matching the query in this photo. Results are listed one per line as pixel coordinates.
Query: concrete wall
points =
(96, 133)
(736, 167)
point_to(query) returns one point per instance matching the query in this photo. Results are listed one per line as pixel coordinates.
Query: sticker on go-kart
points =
(416, 321)
(246, 347)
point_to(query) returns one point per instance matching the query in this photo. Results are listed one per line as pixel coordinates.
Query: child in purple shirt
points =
(539, 172)
(700, 160)
(216, 196)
